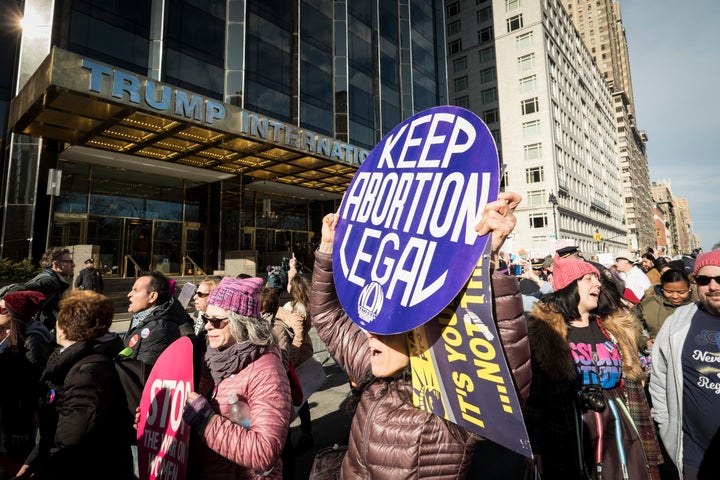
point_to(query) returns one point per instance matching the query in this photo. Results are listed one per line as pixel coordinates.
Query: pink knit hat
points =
(238, 295)
(709, 258)
(567, 270)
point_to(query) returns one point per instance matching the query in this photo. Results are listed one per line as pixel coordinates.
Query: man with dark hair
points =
(158, 318)
(89, 277)
(58, 266)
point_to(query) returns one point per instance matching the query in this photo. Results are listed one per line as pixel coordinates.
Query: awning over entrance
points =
(83, 102)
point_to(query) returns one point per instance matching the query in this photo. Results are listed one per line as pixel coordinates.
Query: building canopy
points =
(83, 102)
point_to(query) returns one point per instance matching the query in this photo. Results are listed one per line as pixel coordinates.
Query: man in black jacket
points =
(158, 319)
(58, 266)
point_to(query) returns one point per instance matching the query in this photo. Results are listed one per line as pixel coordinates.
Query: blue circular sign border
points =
(458, 261)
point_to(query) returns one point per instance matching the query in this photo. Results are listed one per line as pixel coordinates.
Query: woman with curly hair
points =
(83, 429)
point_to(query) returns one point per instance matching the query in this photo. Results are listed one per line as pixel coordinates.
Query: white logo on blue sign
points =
(405, 244)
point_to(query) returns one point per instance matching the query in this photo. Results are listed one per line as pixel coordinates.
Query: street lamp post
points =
(553, 201)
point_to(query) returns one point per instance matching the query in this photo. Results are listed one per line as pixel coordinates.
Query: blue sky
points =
(675, 68)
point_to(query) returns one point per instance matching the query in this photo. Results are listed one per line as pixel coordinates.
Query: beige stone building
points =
(600, 26)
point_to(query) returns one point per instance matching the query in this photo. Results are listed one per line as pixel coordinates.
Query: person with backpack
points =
(25, 345)
(58, 267)
(82, 420)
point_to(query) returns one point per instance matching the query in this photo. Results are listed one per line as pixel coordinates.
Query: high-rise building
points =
(599, 23)
(522, 67)
(212, 128)
(678, 222)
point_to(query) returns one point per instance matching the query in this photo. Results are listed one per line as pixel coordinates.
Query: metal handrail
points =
(196, 269)
(138, 268)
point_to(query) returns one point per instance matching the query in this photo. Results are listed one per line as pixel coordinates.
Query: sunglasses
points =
(202, 294)
(215, 322)
(704, 280)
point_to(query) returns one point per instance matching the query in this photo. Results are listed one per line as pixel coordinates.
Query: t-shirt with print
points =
(701, 386)
(594, 356)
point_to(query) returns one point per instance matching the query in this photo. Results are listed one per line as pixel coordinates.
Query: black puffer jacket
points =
(82, 415)
(162, 327)
(389, 438)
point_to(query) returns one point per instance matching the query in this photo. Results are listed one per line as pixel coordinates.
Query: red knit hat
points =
(567, 270)
(26, 304)
(709, 258)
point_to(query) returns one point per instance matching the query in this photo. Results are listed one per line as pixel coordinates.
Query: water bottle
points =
(239, 410)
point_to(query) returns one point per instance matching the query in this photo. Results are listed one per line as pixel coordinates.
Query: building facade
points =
(600, 26)
(551, 113)
(208, 127)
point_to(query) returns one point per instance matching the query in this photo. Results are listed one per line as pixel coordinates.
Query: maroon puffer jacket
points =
(389, 438)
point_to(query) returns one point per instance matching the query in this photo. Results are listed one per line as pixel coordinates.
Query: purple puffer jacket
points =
(227, 451)
(389, 438)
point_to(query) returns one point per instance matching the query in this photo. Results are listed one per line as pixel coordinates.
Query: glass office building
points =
(207, 126)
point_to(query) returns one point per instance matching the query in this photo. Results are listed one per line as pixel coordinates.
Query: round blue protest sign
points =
(405, 244)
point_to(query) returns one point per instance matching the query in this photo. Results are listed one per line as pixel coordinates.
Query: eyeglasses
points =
(703, 280)
(675, 292)
(216, 322)
(202, 294)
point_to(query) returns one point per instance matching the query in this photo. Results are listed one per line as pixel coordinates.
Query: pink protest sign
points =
(162, 436)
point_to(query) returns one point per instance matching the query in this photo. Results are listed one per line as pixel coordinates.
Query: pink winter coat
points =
(228, 451)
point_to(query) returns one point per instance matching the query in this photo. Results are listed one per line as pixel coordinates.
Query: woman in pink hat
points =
(241, 410)
(587, 416)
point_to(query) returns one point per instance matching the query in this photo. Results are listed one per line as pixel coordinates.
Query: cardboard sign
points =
(405, 243)
(162, 436)
(459, 371)
(311, 375)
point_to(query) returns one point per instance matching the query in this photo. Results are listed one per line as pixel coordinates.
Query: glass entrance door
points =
(138, 244)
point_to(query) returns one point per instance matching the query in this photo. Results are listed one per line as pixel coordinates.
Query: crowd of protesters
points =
(617, 367)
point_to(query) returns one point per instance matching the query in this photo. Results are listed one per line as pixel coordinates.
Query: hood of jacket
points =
(548, 333)
(35, 327)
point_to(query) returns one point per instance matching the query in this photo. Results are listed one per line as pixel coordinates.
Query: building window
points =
(453, 9)
(524, 41)
(528, 84)
(484, 15)
(485, 35)
(526, 62)
(530, 105)
(514, 23)
(504, 181)
(487, 75)
(489, 95)
(511, 5)
(455, 46)
(538, 220)
(491, 116)
(531, 129)
(461, 83)
(459, 64)
(536, 197)
(534, 175)
(463, 102)
(533, 151)
(487, 55)
(453, 28)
